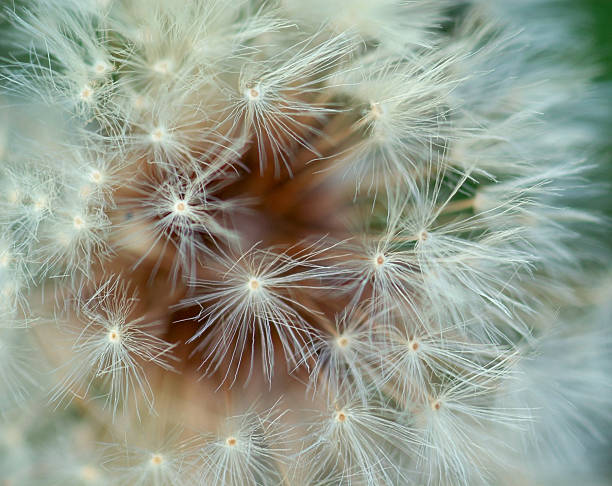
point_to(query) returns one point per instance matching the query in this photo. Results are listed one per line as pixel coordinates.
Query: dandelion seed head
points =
(404, 290)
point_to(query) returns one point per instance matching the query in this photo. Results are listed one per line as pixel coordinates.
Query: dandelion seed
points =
(252, 453)
(449, 427)
(253, 94)
(345, 359)
(40, 204)
(139, 102)
(111, 349)
(13, 196)
(261, 287)
(181, 206)
(357, 440)
(81, 238)
(177, 215)
(343, 341)
(89, 474)
(273, 97)
(5, 258)
(165, 458)
(113, 336)
(379, 259)
(78, 222)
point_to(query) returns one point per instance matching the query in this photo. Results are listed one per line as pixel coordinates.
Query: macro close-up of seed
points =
(305, 243)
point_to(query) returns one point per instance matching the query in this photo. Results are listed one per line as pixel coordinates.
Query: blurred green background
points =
(600, 29)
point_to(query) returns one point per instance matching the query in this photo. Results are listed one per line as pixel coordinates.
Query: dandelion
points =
(385, 212)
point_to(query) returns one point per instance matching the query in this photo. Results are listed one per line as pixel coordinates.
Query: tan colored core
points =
(157, 460)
